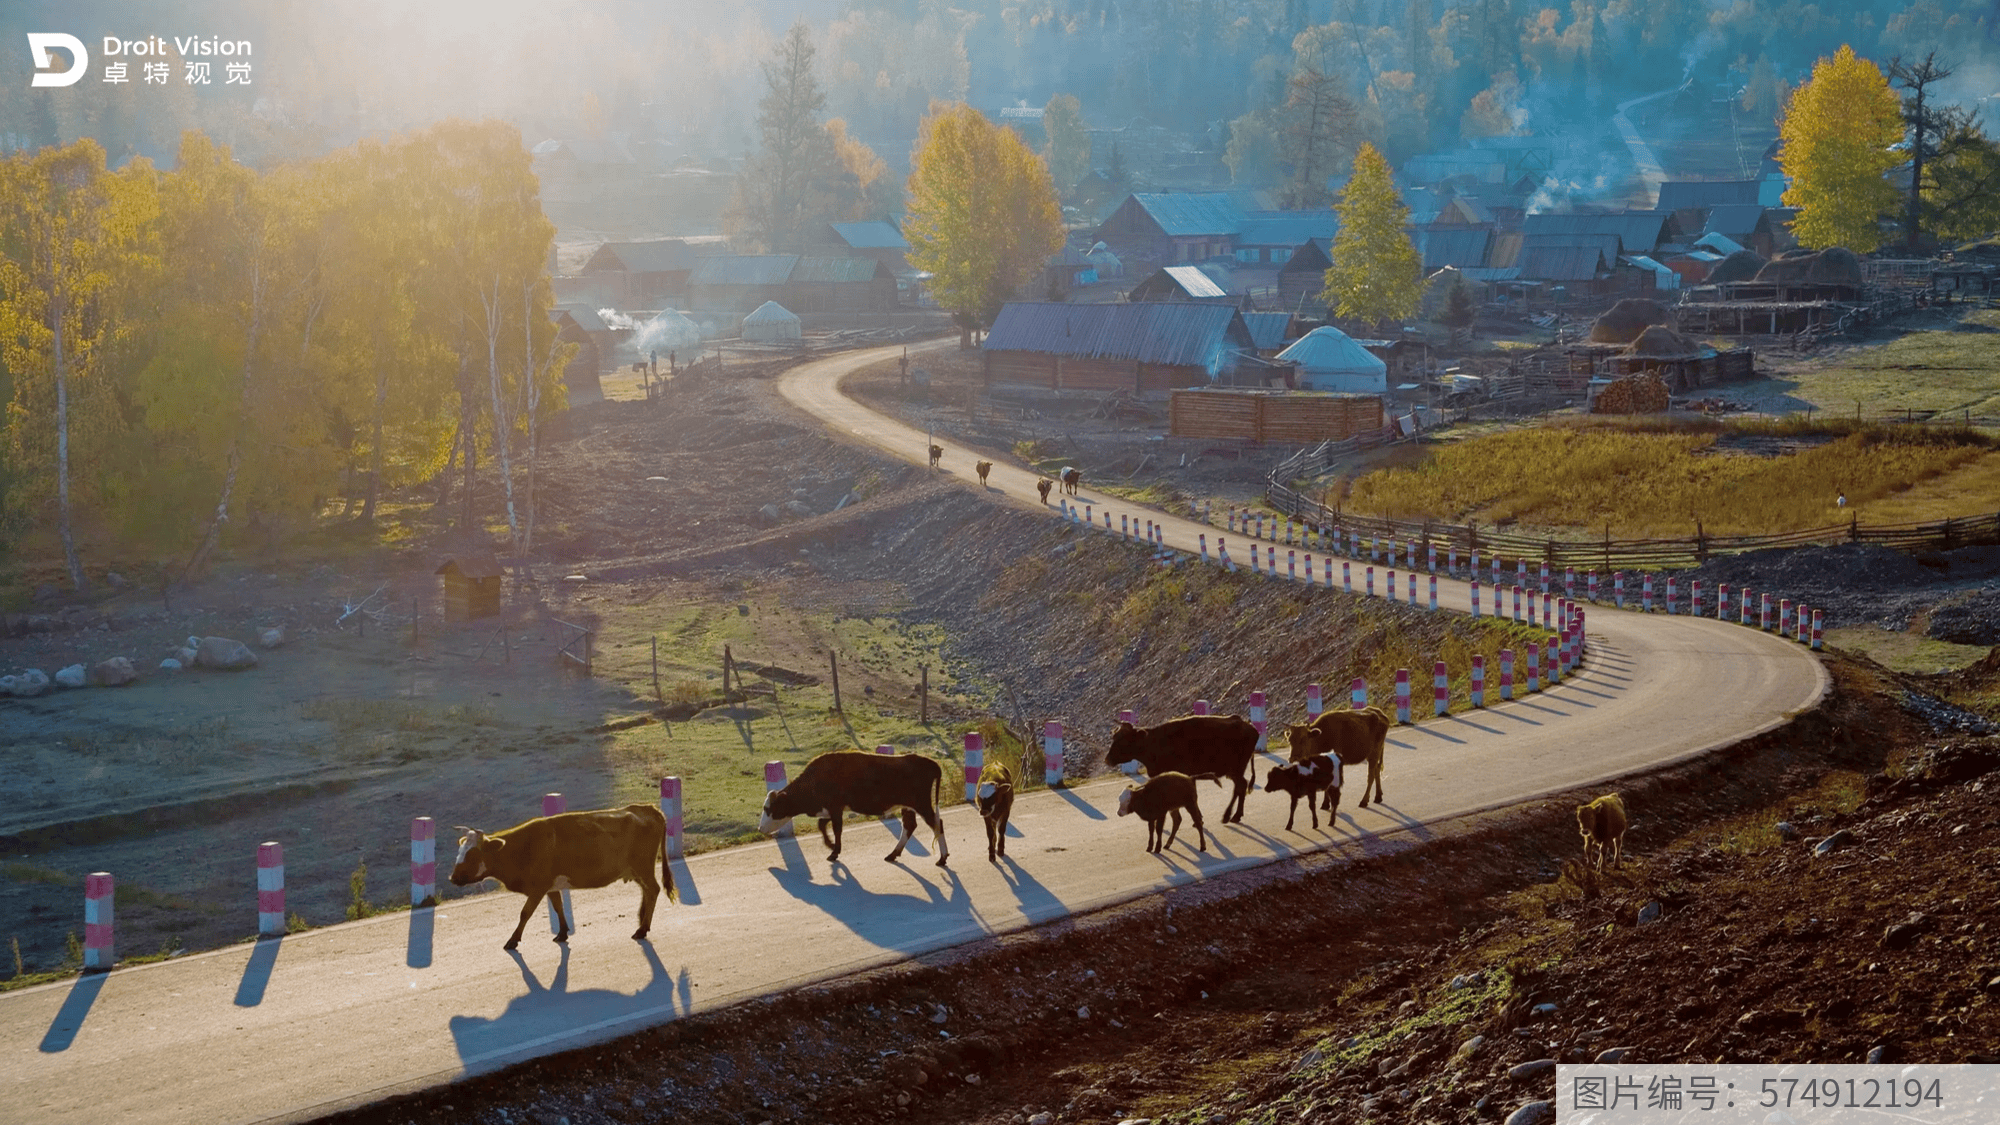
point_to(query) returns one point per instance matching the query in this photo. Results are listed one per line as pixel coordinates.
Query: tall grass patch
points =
(1657, 480)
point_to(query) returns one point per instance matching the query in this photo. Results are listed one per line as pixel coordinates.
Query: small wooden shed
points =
(471, 586)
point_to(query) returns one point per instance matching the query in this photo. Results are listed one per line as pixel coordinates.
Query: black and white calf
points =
(865, 783)
(1307, 779)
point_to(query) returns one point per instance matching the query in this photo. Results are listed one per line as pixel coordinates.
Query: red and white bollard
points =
(1402, 696)
(1347, 576)
(424, 860)
(1309, 569)
(1520, 571)
(1292, 566)
(1534, 671)
(1358, 693)
(1746, 607)
(1434, 593)
(1088, 519)
(1478, 681)
(1257, 717)
(1784, 615)
(1531, 607)
(1506, 674)
(1618, 589)
(1204, 549)
(1764, 612)
(1816, 642)
(1222, 554)
(1201, 708)
(1722, 602)
(1313, 704)
(1052, 753)
(1260, 525)
(1122, 532)
(1431, 559)
(1392, 585)
(670, 806)
(1517, 603)
(1550, 650)
(885, 750)
(1253, 558)
(1548, 601)
(1670, 594)
(1371, 581)
(1288, 532)
(1232, 518)
(774, 780)
(1562, 644)
(1127, 716)
(1475, 597)
(1413, 587)
(1801, 626)
(1569, 582)
(1451, 561)
(270, 890)
(553, 804)
(1593, 585)
(1474, 568)
(1694, 598)
(975, 765)
(1440, 689)
(99, 952)
(1646, 595)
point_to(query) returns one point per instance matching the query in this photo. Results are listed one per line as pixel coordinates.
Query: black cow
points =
(1205, 747)
(865, 783)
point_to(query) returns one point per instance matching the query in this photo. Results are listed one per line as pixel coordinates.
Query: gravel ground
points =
(1958, 590)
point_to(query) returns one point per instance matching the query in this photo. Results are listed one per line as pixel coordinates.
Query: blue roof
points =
(1191, 215)
(745, 269)
(1287, 229)
(870, 235)
(1194, 282)
(1154, 332)
(1267, 330)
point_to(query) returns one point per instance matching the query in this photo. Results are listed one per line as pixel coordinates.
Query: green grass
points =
(1905, 652)
(1950, 371)
(29, 873)
(1653, 478)
(1756, 830)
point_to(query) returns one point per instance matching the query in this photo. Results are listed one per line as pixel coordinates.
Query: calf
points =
(1354, 735)
(1306, 779)
(984, 469)
(1205, 747)
(865, 783)
(1045, 486)
(1602, 822)
(937, 453)
(578, 849)
(995, 797)
(1070, 478)
(1156, 799)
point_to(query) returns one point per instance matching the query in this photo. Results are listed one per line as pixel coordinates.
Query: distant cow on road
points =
(577, 849)
(1205, 747)
(1070, 478)
(835, 783)
(1354, 735)
(984, 469)
(937, 453)
(1045, 486)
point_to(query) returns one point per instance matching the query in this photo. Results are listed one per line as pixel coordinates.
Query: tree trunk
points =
(206, 549)
(468, 434)
(503, 424)
(75, 564)
(375, 463)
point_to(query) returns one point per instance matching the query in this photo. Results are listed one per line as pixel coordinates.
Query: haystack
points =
(1625, 320)
(1743, 265)
(1831, 266)
(1662, 343)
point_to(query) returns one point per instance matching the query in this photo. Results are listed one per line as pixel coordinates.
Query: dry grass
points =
(1648, 478)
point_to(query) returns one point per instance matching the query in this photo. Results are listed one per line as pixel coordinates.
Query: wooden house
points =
(1136, 347)
(639, 273)
(471, 586)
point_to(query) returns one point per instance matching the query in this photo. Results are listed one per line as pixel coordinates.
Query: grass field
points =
(1950, 371)
(1655, 477)
(1904, 652)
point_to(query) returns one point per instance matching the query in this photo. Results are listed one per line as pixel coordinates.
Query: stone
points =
(1533, 1112)
(72, 677)
(1901, 934)
(1528, 1070)
(972, 1078)
(184, 656)
(271, 638)
(1042, 1118)
(1786, 831)
(114, 671)
(116, 580)
(1834, 842)
(1878, 1054)
(224, 653)
(1083, 1013)
(1471, 1046)
(799, 509)
(769, 512)
(1615, 1055)
(1391, 1068)
(1312, 1057)
(1649, 913)
(1544, 1009)
(27, 683)
(171, 665)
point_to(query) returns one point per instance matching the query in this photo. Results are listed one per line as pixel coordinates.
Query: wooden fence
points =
(1271, 417)
(1631, 554)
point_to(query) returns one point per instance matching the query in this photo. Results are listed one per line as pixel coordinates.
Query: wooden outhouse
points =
(471, 586)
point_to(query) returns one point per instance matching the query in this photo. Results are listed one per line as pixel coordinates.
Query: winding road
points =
(292, 1028)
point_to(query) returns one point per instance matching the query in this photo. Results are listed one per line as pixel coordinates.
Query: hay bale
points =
(1660, 342)
(1639, 394)
(1628, 318)
(1831, 266)
(1743, 265)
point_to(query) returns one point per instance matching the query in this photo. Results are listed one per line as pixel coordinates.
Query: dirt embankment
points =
(1342, 989)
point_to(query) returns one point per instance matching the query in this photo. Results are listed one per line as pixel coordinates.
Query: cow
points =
(1156, 799)
(937, 453)
(1204, 747)
(1354, 735)
(577, 849)
(995, 798)
(865, 783)
(1070, 478)
(1602, 822)
(1306, 781)
(1044, 486)
(984, 469)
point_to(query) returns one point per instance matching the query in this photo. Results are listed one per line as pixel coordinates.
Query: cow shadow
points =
(552, 1010)
(885, 919)
(76, 1005)
(1079, 803)
(1035, 901)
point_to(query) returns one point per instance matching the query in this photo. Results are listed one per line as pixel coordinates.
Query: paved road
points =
(292, 1028)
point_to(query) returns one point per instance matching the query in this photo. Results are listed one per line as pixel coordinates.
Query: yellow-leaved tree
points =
(983, 216)
(1376, 274)
(1836, 142)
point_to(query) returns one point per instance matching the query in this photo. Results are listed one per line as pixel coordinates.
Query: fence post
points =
(1258, 716)
(1694, 598)
(270, 890)
(1052, 753)
(833, 662)
(552, 804)
(1392, 585)
(423, 861)
(1670, 593)
(1646, 595)
(1618, 589)
(1517, 603)
(99, 949)
(1402, 696)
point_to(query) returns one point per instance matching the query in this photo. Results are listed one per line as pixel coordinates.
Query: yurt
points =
(770, 324)
(1329, 360)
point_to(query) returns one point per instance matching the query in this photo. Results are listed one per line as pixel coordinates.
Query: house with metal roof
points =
(738, 283)
(1187, 283)
(1637, 231)
(1680, 195)
(1267, 331)
(1268, 238)
(841, 285)
(1137, 346)
(1173, 229)
(1304, 275)
(1463, 247)
(640, 271)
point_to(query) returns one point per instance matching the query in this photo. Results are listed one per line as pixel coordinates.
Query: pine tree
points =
(1069, 141)
(1836, 139)
(1376, 273)
(789, 183)
(1459, 312)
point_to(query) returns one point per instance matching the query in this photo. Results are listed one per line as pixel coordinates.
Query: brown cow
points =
(1070, 478)
(1045, 486)
(835, 783)
(1354, 735)
(1204, 747)
(578, 849)
(995, 797)
(984, 469)
(937, 453)
(1602, 822)
(1156, 799)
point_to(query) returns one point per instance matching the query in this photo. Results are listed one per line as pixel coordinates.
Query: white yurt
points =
(1329, 360)
(770, 324)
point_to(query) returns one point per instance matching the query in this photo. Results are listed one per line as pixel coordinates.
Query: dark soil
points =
(1871, 585)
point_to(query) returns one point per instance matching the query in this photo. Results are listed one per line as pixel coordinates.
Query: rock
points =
(116, 580)
(1470, 1047)
(1083, 1013)
(1467, 981)
(1042, 1118)
(1408, 1007)
(184, 656)
(1878, 1054)
(1528, 1070)
(114, 671)
(28, 683)
(271, 638)
(1786, 831)
(1312, 1057)
(224, 653)
(171, 665)
(1392, 1068)
(972, 1078)
(798, 509)
(72, 677)
(1544, 1009)
(1649, 913)
(1901, 934)
(1834, 842)
(769, 512)
(1614, 1055)
(1533, 1112)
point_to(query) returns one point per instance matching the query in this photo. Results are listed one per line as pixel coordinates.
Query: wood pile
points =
(1640, 394)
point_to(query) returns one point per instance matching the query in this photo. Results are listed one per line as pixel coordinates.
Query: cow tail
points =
(667, 867)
